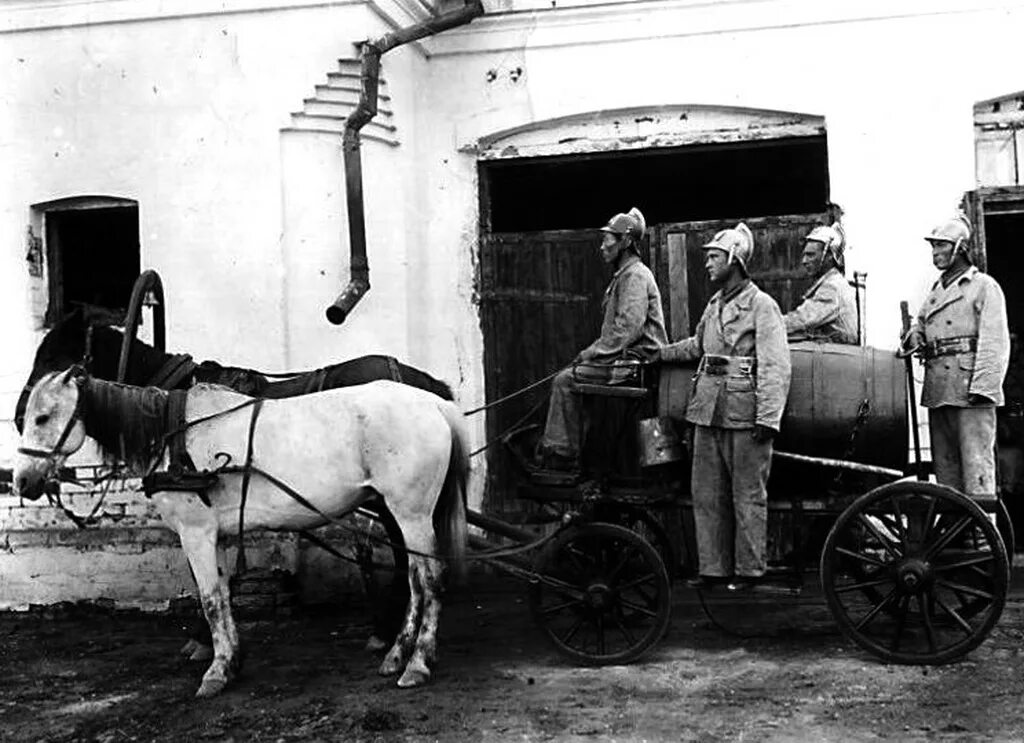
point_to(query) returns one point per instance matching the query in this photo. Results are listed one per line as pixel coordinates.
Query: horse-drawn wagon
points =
(913, 572)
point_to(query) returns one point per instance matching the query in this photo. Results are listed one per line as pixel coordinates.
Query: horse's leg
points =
(417, 670)
(396, 656)
(200, 546)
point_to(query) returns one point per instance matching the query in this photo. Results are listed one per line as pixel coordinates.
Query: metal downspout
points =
(370, 54)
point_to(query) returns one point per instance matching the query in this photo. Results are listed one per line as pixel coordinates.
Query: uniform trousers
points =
(730, 501)
(566, 419)
(963, 448)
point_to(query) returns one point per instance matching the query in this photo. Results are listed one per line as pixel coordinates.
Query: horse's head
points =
(83, 336)
(53, 430)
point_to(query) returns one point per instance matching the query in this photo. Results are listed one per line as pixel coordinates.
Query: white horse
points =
(286, 464)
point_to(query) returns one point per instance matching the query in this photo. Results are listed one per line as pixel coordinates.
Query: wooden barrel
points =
(826, 414)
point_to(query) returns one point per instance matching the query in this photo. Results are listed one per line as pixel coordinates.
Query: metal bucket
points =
(659, 443)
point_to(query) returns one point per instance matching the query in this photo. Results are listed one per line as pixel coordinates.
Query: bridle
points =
(52, 455)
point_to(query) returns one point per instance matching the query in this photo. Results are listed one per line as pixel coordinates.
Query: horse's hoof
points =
(389, 667)
(210, 688)
(188, 648)
(413, 678)
(375, 644)
(201, 653)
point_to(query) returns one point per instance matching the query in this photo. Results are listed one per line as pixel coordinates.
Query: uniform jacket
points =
(633, 318)
(973, 306)
(828, 311)
(748, 324)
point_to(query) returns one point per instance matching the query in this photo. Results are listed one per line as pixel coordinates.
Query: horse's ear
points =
(75, 373)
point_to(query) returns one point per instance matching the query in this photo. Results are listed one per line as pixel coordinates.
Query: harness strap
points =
(173, 371)
(394, 370)
(240, 563)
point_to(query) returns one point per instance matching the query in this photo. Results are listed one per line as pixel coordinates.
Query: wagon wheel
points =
(604, 595)
(1004, 525)
(645, 524)
(148, 281)
(384, 566)
(915, 572)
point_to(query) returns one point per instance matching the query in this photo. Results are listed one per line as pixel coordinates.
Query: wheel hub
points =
(600, 596)
(913, 575)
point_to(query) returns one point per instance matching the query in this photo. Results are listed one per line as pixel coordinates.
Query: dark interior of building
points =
(1004, 233)
(772, 177)
(98, 250)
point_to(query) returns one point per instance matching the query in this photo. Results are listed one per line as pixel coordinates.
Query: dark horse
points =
(85, 337)
(77, 338)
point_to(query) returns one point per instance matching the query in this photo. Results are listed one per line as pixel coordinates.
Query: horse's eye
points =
(42, 419)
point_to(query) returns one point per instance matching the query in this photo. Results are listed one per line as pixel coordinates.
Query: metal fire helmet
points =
(737, 241)
(956, 231)
(833, 237)
(631, 223)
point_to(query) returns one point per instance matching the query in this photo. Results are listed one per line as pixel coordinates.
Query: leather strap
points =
(240, 563)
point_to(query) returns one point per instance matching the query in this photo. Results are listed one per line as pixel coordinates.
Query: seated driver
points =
(633, 328)
(828, 311)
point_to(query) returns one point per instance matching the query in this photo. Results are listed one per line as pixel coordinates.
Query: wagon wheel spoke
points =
(649, 578)
(860, 556)
(901, 528)
(973, 563)
(624, 630)
(963, 623)
(567, 638)
(960, 588)
(601, 647)
(947, 536)
(870, 616)
(557, 608)
(929, 520)
(926, 616)
(864, 585)
(627, 556)
(901, 622)
(883, 539)
(638, 608)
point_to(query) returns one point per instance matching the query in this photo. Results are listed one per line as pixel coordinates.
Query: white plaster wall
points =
(185, 116)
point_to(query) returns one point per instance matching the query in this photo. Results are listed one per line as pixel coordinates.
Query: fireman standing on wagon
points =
(633, 328)
(961, 333)
(740, 392)
(828, 311)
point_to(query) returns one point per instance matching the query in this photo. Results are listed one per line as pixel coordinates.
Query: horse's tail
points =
(450, 512)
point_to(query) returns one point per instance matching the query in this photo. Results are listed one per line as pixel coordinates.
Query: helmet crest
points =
(737, 242)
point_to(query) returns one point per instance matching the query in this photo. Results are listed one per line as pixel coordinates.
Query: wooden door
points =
(540, 300)
(774, 266)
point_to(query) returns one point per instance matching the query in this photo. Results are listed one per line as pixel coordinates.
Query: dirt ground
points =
(89, 674)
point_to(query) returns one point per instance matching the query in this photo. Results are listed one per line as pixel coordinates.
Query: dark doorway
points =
(1004, 233)
(93, 257)
(683, 184)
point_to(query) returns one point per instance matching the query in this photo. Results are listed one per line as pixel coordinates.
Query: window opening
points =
(92, 254)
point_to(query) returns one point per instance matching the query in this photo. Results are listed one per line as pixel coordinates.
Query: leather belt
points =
(727, 366)
(950, 346)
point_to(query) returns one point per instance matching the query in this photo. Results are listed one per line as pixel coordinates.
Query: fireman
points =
(828, 311)
(740, 391)
(633, 328)
(962, 336)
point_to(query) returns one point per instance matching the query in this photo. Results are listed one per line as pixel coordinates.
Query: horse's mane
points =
(128, 422)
